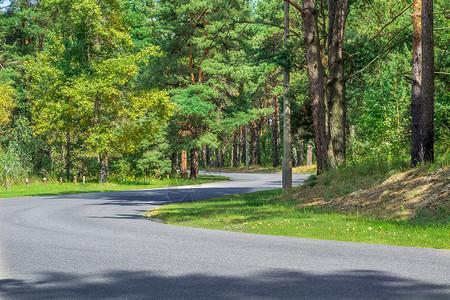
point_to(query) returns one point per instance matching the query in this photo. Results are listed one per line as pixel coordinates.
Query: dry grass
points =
(400, 196)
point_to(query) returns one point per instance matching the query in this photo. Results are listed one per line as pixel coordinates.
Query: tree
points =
(82, 86)
(316, 81)
(6, 103)
(422, 103)
(287, 140)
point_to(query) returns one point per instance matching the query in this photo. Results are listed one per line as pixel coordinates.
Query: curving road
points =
(97, 246)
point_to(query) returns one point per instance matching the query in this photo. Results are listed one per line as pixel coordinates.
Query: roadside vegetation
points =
(54, 188)
(374, 202)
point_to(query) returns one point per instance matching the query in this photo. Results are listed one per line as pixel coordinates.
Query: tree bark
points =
(301, 149)
(246, 148)
(316, 81)
(103, 158)
(294, 155)
(422, 100)
(194, 163)
(217, 164)
(275, 132)
(235, 150)
(287, 139)
(203, 161)
(174, 159)
(309, 155)
(252, 143)
(337, 14)
(68, 156)
(208, 157)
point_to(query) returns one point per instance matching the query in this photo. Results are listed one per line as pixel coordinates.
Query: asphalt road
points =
(97, 246)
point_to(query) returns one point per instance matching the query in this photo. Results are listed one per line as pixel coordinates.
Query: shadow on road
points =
(281, 284)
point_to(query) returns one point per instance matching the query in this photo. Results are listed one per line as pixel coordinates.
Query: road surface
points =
(98, 246)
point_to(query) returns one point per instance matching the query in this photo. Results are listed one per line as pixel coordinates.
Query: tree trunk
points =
(241, 145)
(309, 155)
(337, 14)
(68, 156)
(103, 158)
(258, 134)
(252, 143)
(301, 154)
(222, 155)
(208, 157)
(194, 163)
(287, 142)
(294, 156)
(174, 159)
(422, 101)
(246, 148)
(316, 81)
(203, 160)
(275, 133)
(235, 150)
(217, 158)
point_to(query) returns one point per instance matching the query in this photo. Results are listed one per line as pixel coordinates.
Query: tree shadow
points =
(277, 284)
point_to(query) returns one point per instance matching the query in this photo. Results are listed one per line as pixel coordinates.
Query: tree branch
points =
(376, 58)
(391, 21)
(270, 24)
(296, 6)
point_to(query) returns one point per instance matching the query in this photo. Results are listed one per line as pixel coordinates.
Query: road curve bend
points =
(97, 246)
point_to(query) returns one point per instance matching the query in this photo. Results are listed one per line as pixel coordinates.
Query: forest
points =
(115, 89)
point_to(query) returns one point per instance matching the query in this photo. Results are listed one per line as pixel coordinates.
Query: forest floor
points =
(365, 204)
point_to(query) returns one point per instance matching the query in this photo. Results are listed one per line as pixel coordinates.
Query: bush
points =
(14, 164)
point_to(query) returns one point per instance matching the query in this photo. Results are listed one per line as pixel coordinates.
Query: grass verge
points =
(325, 208)
(70, 188)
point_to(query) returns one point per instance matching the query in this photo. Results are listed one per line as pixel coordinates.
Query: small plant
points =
(311, 181)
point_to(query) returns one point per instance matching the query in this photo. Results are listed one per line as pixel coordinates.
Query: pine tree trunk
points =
(275, 133)
(194, 163)
(222, 155)
(337, 14)
(309, 155)
(68, 156)
(234, 150)
(287, 139)
(422, 101)
(174, 159)
(208, 157)
(301, 151)
(241, 145)
(252, 143)
(217, 158)
(294, 156)
(258, 134)
(203, 157)
(103, 158)
(316, 81)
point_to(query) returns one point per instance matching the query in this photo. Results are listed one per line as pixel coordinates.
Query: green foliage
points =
(6, 103)
(311, 180)
(15, 165)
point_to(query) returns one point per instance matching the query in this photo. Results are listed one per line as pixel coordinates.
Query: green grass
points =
(38, 189)
(266, 213)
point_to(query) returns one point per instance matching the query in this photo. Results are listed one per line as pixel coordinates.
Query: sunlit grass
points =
(266, 213)
(38, 189)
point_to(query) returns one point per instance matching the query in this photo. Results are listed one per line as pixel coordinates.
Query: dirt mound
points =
(402, 194)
